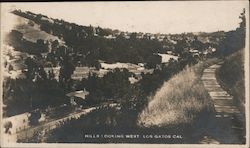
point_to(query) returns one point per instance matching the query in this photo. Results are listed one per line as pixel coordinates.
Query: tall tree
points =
(66, 70)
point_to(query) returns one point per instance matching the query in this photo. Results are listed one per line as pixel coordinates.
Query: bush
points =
(231, 75)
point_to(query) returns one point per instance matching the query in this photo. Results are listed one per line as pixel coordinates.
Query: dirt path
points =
(227, 123)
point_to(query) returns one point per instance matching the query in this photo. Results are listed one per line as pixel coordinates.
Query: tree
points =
(66, 71)
(180, 45)
(7, 126)
(34, 117)
(97, 65)
(235, 39)
(197, 44)
(55, 44)
(243, 19)
(46, 26)
(133, 36)
(242, 28)
(31, 68)
(153, 60)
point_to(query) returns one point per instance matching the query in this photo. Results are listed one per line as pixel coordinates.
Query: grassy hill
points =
(31, 31)
(179, 101)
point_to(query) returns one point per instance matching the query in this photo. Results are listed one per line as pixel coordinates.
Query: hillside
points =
(179, 101)
(231, 76)
(31, 31)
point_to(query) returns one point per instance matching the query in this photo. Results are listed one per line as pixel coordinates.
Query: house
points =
(193, 51)
(126, 36)
(77, 96)
(152, 37)
(113, 66)
(137, 69)
(81, 72)
(139, 35)
(109, 37)
(141, 64)
(211, 50)
(166, 57)
(170, 52)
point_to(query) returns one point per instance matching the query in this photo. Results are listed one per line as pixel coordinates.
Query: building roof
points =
(80, 94)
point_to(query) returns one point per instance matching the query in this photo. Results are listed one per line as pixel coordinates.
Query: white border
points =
(53, 145)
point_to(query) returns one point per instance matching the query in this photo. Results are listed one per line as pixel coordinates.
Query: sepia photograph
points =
(149, 72)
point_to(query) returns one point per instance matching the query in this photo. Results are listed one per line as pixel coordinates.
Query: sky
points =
(152, 17)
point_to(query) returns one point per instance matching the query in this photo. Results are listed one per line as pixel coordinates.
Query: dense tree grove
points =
(24, 95)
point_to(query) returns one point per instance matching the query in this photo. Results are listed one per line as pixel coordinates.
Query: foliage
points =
(113, 86)
(7, 126)
(85, 43)
(231, 75)
(34, 117)
(16, 40)
(106, 120)
(23, 95)
(66, 71)
(234, 40)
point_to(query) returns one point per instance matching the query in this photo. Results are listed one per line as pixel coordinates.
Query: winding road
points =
(228, 122)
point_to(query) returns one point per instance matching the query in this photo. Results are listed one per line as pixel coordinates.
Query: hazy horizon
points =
(172, 17)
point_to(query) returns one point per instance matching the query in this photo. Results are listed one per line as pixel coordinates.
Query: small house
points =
(77, 97)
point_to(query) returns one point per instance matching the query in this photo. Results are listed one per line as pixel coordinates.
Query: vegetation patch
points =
(231, 76)
(178, 101)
